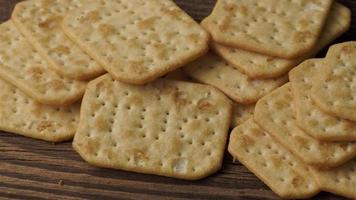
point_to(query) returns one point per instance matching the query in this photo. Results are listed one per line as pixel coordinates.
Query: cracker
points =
(40, 22)
(283, 172)
(241, 113)
(22, 66)
(213, 70)
(285, 29)
(21, 115)
(275, 114)
(341, 180)
(167, 128)
(310, 117)
(260, 66)
(137, 41)
(334, 90)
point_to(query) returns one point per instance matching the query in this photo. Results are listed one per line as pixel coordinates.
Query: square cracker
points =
(21, 65)
(257, 65)
(280, 28)
(341, 180)
(40, 22)
(167, 128)
(283, 172)
(213, 70)
(21, 115)
(275, 114)
(137, 41)
(310, 117)
(334, 90)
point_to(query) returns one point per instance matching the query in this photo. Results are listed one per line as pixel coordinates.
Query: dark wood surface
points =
(31, 169)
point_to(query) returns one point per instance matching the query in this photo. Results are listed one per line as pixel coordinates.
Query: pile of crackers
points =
(301, 139)
(134, 83)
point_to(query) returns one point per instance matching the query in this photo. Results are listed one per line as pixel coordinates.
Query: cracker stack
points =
(306, 117)
(40, 22)
(35, 101)
(111, 54)
(254, 41)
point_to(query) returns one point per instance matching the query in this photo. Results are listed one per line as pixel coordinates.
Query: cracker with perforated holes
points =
(283, 172)
(275, 114)
(241, 113)
(21, 115)
(40, 22)
(22, 66)
(137, 41)
(257, 65)
(213, 70)
(334, 90)
(280, 28)
(168, 128)
(341, 180)
(310, 117)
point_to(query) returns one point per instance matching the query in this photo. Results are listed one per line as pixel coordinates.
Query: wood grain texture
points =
(31, 169)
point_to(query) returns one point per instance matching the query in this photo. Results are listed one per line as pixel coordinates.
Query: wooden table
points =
(31, 169)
